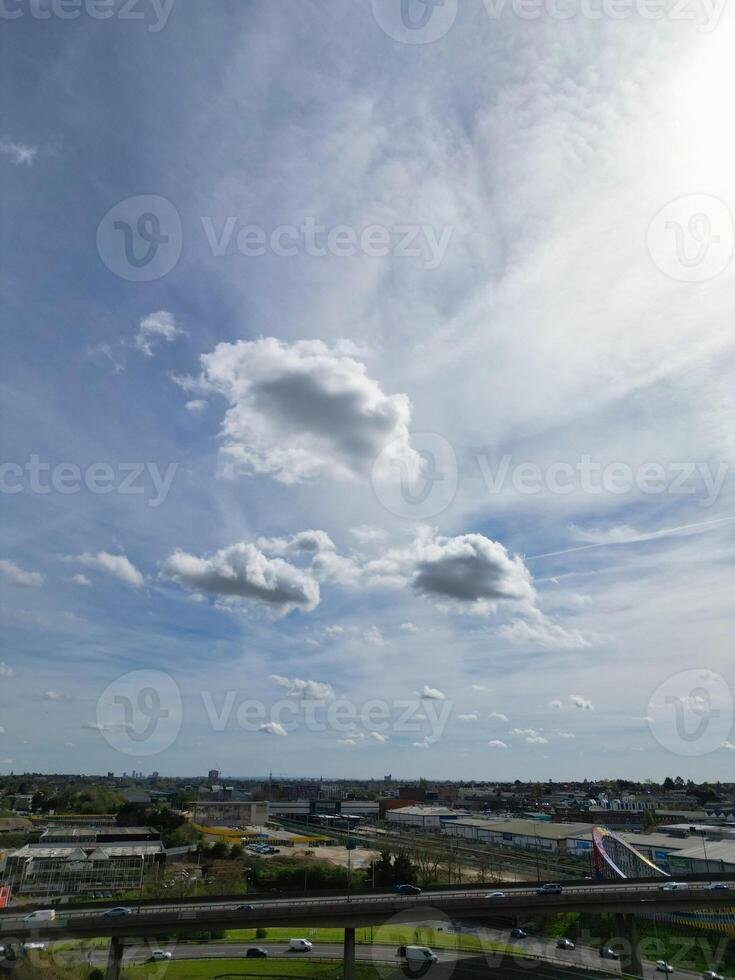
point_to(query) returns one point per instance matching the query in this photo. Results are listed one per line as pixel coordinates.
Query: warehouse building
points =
(705, 857)
(574, 839)
(228, 813)
(421, 817)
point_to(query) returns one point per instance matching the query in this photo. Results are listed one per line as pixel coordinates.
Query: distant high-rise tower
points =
(213, 775)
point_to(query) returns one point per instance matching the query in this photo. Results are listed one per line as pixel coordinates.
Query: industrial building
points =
(228, 813)
(72, 860)
(421, 817)
(574, 839)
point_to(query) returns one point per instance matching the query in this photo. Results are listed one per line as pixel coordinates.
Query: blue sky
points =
(413, 386)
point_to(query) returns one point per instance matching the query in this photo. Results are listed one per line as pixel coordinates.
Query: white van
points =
(299, 945)
(417, 955)
(41, 915)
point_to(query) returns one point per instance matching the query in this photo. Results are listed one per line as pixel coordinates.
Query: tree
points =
(384, 869)
(404, 872)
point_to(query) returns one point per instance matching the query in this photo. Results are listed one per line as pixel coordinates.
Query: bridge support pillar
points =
(630, 960)
(349, 955)
(114, 959)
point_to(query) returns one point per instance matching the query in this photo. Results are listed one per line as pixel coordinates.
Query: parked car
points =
(162, 954)
(407, 889)
(674, 886)
(608, 954)
(494, 895)
(711, 975)
(663, 967)
(299, 945)
(256, 953)
(563, 943)
(550, 888)
(118, 912)
(718, 886)
(518, 933)
(40, 915)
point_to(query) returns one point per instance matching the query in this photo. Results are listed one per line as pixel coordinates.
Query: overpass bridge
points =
(624, 899)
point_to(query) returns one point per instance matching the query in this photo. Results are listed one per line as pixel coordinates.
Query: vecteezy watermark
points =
(419, 485)
(154, 13)
(586, 475)
(66, 478)
(691, 713)
(691, 239)
(402, 241)
(140, 713)
(140, 238)
(426, 21)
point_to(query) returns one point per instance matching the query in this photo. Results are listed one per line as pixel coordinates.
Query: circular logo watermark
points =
(691, 713)
(691, 239)
(415, 21)
(140, 238)
(140, 713)
(419, 927)
(419, 482)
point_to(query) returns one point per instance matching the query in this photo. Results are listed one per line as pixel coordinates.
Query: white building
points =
(421, 817)
(574, 839)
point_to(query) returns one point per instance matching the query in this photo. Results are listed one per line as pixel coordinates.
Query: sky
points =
(367, 388)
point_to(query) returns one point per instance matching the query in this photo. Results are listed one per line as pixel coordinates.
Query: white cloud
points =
(17, 576)
(367, 534)
(272, 728)
(346, 741)
(196, 406)
(305, 542)
(542, 632)
(497, 743)
(303, 410)
(118, 566)
(423, 744)
(6, 670)
(556, 705)
(471, 716)
(374, 637)
(243, 571)
(55, 696)
(483, 688)
(306, 690)
(79, 579)
(537, 740)
(156, 327)
(728, 745)
(526, 732)
(430, 694)
(18, 153)
(566, 734)
(581, 702)
(378, 737)
(499, 715)
(410, 628)
(122, 726)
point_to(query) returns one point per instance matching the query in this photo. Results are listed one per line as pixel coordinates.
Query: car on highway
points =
(161, 954)
(717, 886)
(300, 945)
(40, 915)
(563, 943)
(608, 954)
(663, 967)
(417, 955)
(712, 975)
(118, 912)
(518, 933)
(550, 888)
(244, 908)
(256, 953)
(491, 896)
(674, 886)
(32, 945)
(407, 889)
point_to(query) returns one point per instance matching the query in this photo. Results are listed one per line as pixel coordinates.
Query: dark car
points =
(407, 889)
(518, 933)
(608, 954)
(550, 888)
(256, 953)
(244, 908)
(118, 912)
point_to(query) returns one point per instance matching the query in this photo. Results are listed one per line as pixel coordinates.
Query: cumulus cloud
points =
(471, 716)
(498, 715)
(366, 534)
(301, 410)
(423, 744)
(18, 153)
(581, 702)
(378, 737)
(17, 576)
(526, 732)
(196, 406)
(374, 637)
(537, 740)
(305, 542)
(79, 580)
(55, 696)
(118, 566)
(306, 690)
(497, 743)
(542, 632)
(566, 734)
(430, 694)
(156, 327)
(482, 688)
(410, 628)
(346, 741)
(243, 571)
(728, 745)
(272, 728)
